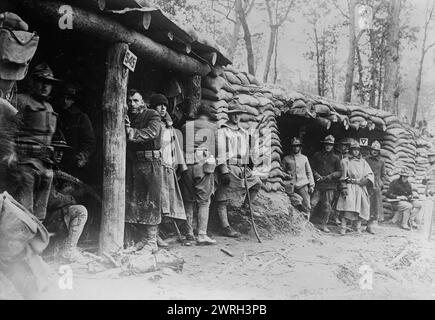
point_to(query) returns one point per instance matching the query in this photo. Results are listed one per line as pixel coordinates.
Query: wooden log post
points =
(114, 148)
(193, 95)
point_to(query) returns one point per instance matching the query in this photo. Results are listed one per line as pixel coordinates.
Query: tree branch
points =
(284, 18)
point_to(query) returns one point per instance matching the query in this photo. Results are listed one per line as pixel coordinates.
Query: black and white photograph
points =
(208, 157)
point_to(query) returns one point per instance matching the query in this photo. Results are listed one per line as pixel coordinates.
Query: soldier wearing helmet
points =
(353, 203)
(326, 170)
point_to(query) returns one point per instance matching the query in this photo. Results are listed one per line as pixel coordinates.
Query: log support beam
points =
(111, 31)
(193, 95)
(114, 148)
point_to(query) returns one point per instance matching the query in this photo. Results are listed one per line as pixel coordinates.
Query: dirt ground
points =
(398, 265)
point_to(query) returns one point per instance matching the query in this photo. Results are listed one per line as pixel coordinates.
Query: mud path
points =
(396, 265)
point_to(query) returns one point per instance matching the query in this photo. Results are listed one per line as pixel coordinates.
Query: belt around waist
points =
(149, 154)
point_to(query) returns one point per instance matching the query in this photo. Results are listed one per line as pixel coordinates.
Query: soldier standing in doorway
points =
(79, 134)
(298, 167)
(327, 170)
(378, 167)
(144, 162)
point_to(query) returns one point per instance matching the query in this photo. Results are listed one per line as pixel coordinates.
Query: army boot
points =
(203, 212)
(343, 226)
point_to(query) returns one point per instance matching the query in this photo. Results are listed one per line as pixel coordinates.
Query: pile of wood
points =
(263, 105)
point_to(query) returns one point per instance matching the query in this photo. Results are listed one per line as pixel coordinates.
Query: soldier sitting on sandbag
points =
(401, 190)
(64, 216)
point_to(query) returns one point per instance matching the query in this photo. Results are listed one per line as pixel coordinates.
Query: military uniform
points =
(232, 160)
(36, 126)
(326, 169)
(197, 183)
(378, 167)
(145, 169)
(298, 166)
(79, 134)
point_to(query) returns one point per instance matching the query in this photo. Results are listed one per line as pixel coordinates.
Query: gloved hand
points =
(225, 179)
(344, 193)
(310, 189)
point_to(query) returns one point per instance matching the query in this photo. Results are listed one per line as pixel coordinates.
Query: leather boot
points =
(358, 226)
(227, 231)
(343, 226)
(189, 208)
(405, 220)
(370, 227)
(150, 239)
(203, 213)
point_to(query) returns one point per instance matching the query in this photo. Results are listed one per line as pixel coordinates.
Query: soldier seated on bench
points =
(64, 216)
(401, 190)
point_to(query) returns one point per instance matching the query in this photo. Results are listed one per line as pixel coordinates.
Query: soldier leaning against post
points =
(232, 160)
(326, 169)
(197, 183)
(36, 126)
(378, 167)
(144, 170)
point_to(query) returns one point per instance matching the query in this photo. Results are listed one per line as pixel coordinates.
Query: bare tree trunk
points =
(270, 50)
(351, 55)
(391, 80)
(424, 50)
(361, 93)
(373, 70)
(247, 36)
(316, 39)
(275, 76)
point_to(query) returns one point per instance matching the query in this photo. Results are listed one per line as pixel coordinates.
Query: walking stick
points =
(250, 205)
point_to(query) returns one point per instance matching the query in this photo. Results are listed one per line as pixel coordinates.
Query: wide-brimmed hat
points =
(376, 146)
(295, 142)
(43, 71)
(235, 108)
(404, 172)
(158, 99)
(329, 140)
(60, 144)
(354, 145)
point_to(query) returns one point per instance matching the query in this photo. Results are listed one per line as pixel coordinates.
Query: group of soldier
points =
(343, 186)
(167, 179)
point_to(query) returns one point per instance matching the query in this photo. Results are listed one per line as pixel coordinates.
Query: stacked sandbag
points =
(262, 106)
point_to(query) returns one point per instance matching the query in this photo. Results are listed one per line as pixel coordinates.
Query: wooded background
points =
(378, 53)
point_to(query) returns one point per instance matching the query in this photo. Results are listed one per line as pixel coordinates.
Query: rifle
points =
(250, 204)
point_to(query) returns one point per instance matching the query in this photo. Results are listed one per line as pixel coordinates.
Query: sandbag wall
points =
(263, 105)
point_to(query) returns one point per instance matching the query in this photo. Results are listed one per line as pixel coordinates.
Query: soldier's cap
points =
(43, 71)
(404, 172)
(158, 99)
(295, 142)
(376, 146)
(329, 140)
(354, 145)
